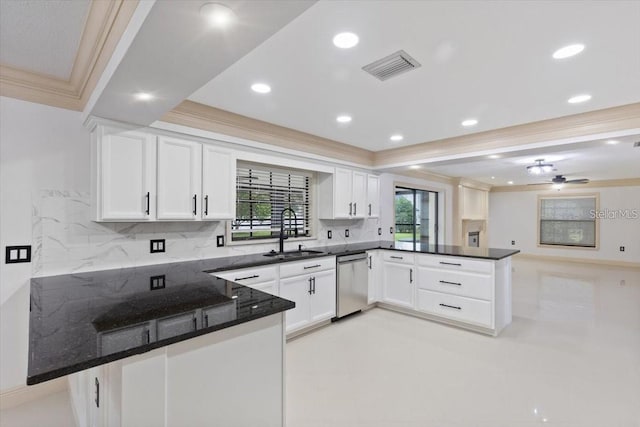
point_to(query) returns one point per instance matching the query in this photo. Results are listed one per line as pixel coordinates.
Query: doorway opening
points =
(416, 217)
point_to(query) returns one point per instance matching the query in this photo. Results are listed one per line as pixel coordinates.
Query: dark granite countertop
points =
(82, 320)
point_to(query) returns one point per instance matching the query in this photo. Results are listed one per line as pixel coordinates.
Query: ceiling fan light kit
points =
(540, 168)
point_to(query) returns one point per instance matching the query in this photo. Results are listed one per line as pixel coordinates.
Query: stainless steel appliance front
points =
(352, 284)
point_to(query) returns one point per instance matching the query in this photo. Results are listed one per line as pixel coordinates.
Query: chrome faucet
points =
(282, 236)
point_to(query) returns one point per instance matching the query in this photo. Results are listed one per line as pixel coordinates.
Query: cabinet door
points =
(323, 296)
(126, 176)
(398, 284)
(374, 265)
(218, 183)
(179, 179)
(359, 195)
(267, 287)
(296, 289)
(373, 196)
(343, 203)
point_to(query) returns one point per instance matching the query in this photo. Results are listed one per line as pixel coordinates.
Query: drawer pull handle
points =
(148, 197)
(396, 257)
(451, 306)
(451, 263)
(248, 277)
(450, 283)
(312, 266)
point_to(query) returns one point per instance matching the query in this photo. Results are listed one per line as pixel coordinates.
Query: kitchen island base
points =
(232, 377)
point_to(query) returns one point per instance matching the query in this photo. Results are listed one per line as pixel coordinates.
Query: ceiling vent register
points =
(392, 65)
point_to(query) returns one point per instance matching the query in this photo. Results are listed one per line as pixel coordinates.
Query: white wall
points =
(513, 216)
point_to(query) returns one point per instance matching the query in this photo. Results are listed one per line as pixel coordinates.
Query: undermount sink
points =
(293, 254)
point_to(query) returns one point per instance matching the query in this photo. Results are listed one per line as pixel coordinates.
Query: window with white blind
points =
(568, 221)
(263, 194)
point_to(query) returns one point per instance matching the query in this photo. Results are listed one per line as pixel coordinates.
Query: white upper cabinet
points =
(373, 196)
(179, 179)
(359, 195)
(343, 195)
(123, 178)
(218, 183)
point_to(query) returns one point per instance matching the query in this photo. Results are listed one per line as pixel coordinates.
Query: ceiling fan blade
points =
(577, 181)
(541, 183)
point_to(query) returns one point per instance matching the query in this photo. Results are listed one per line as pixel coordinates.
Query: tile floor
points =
(570, 358)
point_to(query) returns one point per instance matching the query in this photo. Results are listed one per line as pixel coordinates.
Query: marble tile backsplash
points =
(65, 240)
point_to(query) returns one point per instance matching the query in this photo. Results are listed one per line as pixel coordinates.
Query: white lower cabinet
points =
(398, 284)
(374, 269)
(95, 396)
(456, 307)
(314, 295)
(264, 279)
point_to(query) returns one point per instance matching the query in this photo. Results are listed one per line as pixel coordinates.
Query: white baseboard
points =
(626, 264)
(22, 394)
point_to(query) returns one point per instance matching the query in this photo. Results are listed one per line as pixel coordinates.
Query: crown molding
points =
(591, 123)
(204, 117)
(429, 176)
(476, 185)
(628, 182)
(106, 22)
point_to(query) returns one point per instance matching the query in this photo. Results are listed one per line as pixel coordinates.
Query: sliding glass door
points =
(416, 217)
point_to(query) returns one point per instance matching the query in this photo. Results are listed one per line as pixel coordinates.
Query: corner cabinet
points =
(123, 175)
(344, 195)
(138, 176)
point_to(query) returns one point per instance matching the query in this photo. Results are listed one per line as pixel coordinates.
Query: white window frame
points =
(596, 221)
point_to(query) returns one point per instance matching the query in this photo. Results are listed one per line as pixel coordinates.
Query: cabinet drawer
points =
(456, 307)
(297, 268)
(456, 263)
(398, 256)
(249, 276)
(457, 283)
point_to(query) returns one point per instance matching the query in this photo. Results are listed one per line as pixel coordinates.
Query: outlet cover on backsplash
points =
(156, 245)
(346, 233)
(220, 241)
(329, 234)
(379, 231)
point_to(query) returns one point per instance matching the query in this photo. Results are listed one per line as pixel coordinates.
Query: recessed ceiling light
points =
(396, 138)
(345, 40)
(261, 88)
(495, 156)
(493, 177)
(510, 182)
(568, 51)
(218, 15)
(579, 98)
(469, 122)
(143, 96)
(414, 167)
(343, 119)
(613, 142)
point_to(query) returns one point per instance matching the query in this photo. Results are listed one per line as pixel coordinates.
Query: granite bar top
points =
(78, 321)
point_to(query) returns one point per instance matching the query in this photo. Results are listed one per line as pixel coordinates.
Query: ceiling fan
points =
(560, 180)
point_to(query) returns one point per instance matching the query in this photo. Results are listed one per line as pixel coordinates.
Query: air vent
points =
(636, 144)
(392, 65)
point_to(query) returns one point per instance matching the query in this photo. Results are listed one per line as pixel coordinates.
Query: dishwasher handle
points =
(351, 258)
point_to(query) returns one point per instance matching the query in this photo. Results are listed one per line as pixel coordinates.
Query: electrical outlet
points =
(623, 282)
(17, 254)
(390, 230)
(156, 282)
(513, 242)
(329, 236)
(621, 248)
(156, 246)
(379, 231)
(346, 232)
(220, 241)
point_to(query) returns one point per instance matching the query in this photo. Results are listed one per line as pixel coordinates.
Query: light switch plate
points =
(17, 254)
(156, 245)
(621, 248)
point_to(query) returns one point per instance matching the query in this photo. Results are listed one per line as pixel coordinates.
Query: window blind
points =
(262, 193)
(568, 221)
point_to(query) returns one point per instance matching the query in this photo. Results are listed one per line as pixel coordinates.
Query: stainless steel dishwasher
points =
(352, 284)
